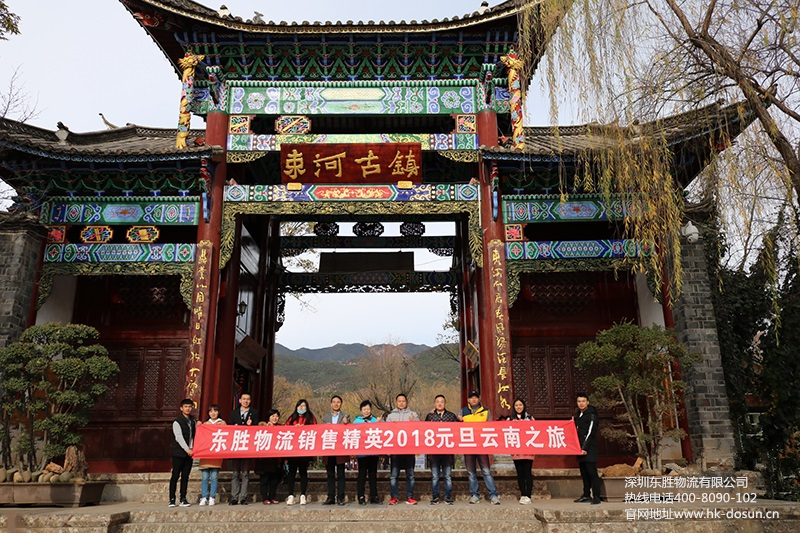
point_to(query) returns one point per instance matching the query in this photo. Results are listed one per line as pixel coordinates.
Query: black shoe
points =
(172, 503)
(449, 501)
(583, 499)
(233, 502)
(375, 500)
(243, 502)
(362, 501)
(340, 502)
(434, 501)
(329, 501)
(595, 502)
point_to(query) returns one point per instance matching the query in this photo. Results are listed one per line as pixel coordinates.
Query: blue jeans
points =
(445, 464)
(398, 462)
(488, 480)
(209, 474)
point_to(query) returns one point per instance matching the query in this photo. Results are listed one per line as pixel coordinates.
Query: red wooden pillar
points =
(225, 349)
(493, 327)
(267, 372)
(464, 307)
(209, 231)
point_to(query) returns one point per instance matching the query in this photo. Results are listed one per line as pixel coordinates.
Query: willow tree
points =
(626, 63)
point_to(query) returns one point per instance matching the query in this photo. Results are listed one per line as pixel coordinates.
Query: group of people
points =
(271, 472)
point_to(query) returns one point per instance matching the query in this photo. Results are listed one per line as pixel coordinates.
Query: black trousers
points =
(268, 484)
(335, 479)
(181, 466)
(368, 466)
(590, 479)
(524, 476)
(301, 464)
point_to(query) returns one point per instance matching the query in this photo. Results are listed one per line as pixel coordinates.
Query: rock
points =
(27, 476)
(78, 480)
(55, 468)
(45, 478)
(649, 472)
(10, 474)
(2, 475)
(620, 470)
(18, 477)
(64, 477)
(54, 479)
(673, 469)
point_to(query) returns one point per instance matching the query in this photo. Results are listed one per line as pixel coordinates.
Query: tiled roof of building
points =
(573, 140)
(200, 12)
(128, 141)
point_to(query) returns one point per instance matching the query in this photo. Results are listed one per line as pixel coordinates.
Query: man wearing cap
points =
(475, 412)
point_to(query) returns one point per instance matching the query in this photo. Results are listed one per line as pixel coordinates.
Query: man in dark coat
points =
(243, 416)
(587, 424)
(183, 431)
(335, 466)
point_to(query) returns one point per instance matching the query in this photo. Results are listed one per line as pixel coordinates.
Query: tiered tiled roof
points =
(199, 12)
(130, 142)
(574, 140)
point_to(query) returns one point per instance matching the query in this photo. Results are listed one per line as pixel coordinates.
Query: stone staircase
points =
(559, 516)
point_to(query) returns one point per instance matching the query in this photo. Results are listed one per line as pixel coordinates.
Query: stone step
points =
(351, 518)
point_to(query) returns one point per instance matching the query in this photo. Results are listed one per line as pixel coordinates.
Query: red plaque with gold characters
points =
(351, 163)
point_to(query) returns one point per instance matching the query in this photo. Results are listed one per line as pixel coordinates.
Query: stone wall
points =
(706, 398)
(20, 248)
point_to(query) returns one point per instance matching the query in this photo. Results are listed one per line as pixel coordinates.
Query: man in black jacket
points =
(183, 430)
(587, 424)
(243, 416)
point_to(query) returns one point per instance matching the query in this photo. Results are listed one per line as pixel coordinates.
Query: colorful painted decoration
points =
(96, 234)
(351, 163)
(163, 212)
(591, 249)
(466, 124)
(288, 124)
(120, 253)
(56, 234)
(419, 192)
(429, 141)
(239, 124)
(142, 234)
(514, 232)
(365, 99)
(543, 209)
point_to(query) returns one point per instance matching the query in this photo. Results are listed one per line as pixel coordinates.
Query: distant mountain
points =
(342, 352)
(342, 375)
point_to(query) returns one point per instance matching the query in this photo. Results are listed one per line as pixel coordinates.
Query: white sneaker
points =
(290, 500)
(203, 501)
(303, 499)
(525, 500)
(211, 501)
(474, 499)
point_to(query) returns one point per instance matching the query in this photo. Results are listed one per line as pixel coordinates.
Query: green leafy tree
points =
(51, 379)
(632, 364)
(9, 22)
(779, 383)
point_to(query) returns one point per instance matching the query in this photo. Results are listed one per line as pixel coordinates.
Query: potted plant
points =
(634, 366)
(49, 382)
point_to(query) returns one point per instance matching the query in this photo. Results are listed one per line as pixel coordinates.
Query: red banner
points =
(351, 163)
(537, 437)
